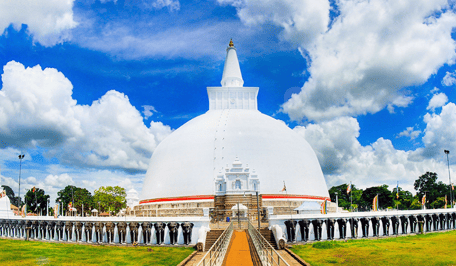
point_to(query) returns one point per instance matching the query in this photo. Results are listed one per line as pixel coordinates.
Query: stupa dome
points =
(210, 153)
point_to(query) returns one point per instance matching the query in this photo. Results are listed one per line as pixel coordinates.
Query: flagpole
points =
(397, 195)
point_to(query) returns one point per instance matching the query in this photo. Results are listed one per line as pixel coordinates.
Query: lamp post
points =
(72, 201)
(60, 205)
(449, 178)
(21, 156)
(258, 210)
(337, 203)
(47, 207)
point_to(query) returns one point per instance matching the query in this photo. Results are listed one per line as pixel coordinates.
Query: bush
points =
(326, 245)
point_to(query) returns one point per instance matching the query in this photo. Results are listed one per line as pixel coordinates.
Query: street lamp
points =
(60, 205)
(21, 156)
(337, 203)
(449, 177)
(258, 211)
(47, 207)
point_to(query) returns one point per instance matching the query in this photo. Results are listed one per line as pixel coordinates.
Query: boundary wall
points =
(317, 227)
(108, 230)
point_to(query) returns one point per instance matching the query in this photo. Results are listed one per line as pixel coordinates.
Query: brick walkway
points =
(239, 252)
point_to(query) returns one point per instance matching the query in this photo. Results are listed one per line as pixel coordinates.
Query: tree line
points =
(105, 199)
(426, 184)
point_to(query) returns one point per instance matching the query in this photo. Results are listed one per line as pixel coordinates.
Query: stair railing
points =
(267, 254)
(216, 254)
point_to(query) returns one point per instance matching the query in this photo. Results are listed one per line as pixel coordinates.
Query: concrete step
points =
(211, 237)
(269, 236)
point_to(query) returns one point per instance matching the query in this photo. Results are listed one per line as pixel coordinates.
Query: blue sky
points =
(90, 88)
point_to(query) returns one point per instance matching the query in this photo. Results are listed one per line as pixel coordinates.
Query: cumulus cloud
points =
(373, 50)
(439, 133)
(410, 133)
(344, 159)
(37, 110)
(48, 21)
(58, 180)
(301, 21)
(438, 100)
(149, 110)
(449, 79)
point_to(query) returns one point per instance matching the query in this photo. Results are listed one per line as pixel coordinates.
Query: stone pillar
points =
(116, 233)
(128, 234)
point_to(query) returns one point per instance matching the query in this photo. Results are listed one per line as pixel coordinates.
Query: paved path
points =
(239, 252)
(288, 258)
(195, 259)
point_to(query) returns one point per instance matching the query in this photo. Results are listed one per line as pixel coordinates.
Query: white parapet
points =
(202, 233)
(278, 236)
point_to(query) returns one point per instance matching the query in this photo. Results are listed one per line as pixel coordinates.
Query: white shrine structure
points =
(226, 155)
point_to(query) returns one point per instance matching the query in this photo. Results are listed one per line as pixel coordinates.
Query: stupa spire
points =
(232, 94)
(232, 76)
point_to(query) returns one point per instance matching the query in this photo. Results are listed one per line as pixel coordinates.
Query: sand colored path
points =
(239, 252)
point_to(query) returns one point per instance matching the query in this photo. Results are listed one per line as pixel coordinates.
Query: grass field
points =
(17, 252)
(428, 249)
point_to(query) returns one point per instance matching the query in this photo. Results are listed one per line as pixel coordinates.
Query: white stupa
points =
(233, 149)
(5, 205)
(132, 198)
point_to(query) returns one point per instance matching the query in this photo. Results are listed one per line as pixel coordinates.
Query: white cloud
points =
(344, 159)
(449, 79)
(30, 180)
(372, 51)
(149, 110)
(122, 40)
(58, 180)
(48, 21)
(88, 183)
(438, 100)
(439, 134)
(301, 21)
(172, 5)
(37, 110)
(410, 133)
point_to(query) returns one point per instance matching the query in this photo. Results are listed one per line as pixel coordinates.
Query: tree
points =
(83, 198)
(438, 203)
(77, 196)
(344, 197)
(110, 198)
(36, 200)
(404, 201)
(385, 197)
(426, 184)
(416, 204)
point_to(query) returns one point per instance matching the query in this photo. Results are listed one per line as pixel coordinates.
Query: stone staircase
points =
(269, 236)
(211, 237)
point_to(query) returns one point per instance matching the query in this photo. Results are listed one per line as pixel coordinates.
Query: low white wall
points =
(198, 222)
(279, 220)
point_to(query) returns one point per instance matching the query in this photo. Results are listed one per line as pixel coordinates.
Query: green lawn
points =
(428, 249)
(17, 252)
